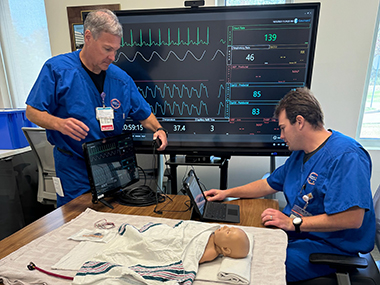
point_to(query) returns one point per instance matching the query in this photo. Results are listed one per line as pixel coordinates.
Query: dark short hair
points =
(301, 101)
(102, 20)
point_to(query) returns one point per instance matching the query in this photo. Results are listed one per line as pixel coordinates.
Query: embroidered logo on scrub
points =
(312, 178)
(115, 103)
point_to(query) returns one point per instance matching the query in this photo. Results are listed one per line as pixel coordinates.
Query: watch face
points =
(297, 220)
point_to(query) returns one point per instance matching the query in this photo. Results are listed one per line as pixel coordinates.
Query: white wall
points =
(346, 29)
(344, 42)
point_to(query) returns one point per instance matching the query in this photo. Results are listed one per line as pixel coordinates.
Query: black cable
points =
(160, 211)
(142, 170)
(139, 196)
(143, 195)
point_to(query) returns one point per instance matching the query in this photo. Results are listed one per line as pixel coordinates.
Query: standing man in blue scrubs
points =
(326, 183)
(81, 96)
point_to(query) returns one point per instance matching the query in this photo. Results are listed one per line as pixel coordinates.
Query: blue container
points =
(11, 122)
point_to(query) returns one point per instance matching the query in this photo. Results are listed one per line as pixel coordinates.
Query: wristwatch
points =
(162, 129)
(297, 221)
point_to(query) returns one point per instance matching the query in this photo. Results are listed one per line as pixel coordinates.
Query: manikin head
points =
(232, 242)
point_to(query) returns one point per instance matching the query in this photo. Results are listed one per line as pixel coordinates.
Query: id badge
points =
(105, 117)
(297, 211)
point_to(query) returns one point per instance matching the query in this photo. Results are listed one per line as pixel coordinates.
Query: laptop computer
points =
(209, 211)
(111, 165)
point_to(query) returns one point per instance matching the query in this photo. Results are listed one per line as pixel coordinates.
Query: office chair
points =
(361, 270)
(43, 152)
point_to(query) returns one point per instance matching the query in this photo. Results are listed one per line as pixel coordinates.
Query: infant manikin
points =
(227, 241)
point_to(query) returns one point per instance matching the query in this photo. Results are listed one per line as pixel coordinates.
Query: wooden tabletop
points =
(175, 208)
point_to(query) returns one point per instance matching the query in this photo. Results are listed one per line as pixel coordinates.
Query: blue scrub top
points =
(64, 89)
(338, 178)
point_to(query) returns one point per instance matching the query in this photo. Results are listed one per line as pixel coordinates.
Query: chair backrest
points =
(43, 152)
(376, 205)
(42, 148)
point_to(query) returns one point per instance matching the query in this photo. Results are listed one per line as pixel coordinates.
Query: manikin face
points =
(223, 235)
(289, 133)
(233, 239)
(102, 51)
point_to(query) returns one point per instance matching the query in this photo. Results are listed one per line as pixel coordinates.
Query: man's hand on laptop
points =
(215, 195)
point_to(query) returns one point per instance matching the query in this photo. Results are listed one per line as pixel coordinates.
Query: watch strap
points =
(297, 226)
(163, 129)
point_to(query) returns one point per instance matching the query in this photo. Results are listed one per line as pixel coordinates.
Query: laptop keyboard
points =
(216, 211)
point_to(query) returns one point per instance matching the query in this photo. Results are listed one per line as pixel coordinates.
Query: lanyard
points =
(103, 96)
(307, 197)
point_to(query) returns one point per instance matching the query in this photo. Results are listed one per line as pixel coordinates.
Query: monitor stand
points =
(104, 202)
(194, 215)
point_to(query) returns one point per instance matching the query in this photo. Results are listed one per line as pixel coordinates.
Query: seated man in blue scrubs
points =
(326, 183)
(81, 96)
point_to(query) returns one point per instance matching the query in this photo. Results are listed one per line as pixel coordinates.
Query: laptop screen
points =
(111, 164)
(196, 191)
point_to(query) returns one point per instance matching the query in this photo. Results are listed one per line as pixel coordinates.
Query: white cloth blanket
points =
(153, 254)
(226, 269)
(268, 257)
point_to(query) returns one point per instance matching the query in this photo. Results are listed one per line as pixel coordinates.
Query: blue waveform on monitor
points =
(181, 107)
(180, 91)
(220, 90)
(221, 106)
(166, 90)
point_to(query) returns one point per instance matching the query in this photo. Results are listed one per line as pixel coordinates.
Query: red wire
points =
(32, 266)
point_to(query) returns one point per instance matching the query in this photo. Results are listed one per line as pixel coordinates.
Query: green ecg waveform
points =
(172, 39)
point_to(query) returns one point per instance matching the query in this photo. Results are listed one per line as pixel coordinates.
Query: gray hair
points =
(102, 20)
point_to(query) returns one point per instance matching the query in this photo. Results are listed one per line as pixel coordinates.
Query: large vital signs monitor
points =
(213, 75)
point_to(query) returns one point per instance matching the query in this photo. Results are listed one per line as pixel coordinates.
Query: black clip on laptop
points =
(205, 210)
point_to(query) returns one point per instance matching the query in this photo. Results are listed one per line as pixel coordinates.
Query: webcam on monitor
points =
(194, 4)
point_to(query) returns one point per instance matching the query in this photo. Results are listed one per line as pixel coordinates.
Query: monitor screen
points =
(111, 164)
(213, 75)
